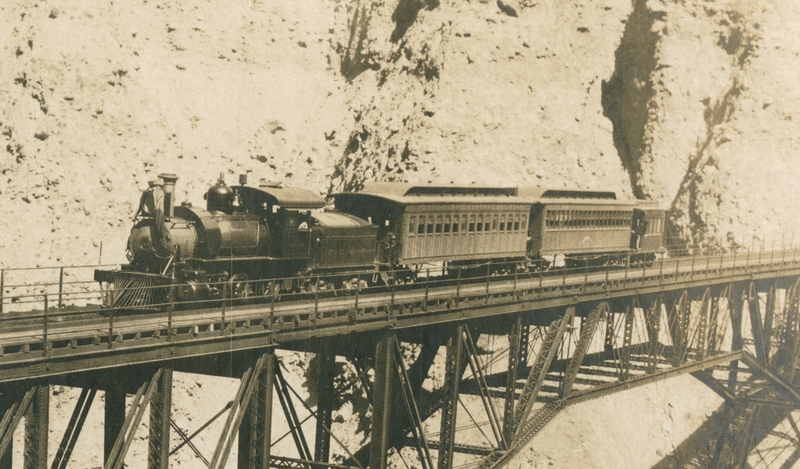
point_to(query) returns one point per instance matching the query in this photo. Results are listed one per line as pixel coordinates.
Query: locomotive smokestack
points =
(169, 188)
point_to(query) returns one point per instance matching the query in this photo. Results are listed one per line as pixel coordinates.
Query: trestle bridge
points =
(731, 320)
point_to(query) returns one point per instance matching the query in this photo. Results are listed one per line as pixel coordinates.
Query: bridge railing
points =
(329, 299)
(23, 289)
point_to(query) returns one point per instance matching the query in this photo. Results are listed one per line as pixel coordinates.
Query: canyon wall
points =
(691, 104)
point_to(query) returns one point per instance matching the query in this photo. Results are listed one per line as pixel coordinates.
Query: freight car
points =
(255, 241)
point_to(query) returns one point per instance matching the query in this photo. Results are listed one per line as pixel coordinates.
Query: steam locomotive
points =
(256, 241)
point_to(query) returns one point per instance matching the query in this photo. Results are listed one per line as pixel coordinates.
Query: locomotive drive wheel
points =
(239, 287)
(318, 285)
(270, 288)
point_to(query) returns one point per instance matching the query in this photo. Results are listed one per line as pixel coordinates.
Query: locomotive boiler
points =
(245, 242)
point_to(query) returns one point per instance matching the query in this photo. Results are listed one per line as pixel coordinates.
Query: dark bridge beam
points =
(452, 379)
(325, 398)
(382, 402)
(74, 428)
(37, 429)
(16, 401)
(255, 431)
(417, 373)
(160, 420)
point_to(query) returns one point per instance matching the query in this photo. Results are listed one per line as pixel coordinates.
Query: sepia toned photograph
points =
(399, 234)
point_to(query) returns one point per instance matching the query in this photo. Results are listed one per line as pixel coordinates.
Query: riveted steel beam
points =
(678, 319)
(453, 358)
(239, 408)
(588, 329)
(477, 367)
(255, 430)
(524, 344)
(417, 373)
(514, 351)
(74, 427)
(652, 319)
(325, 395)
(623, 354)
(124, 439)
(769, 321)
(37, 429)
(382, 401)
(702, 328)
(547, 353)
(7, 457)
(114, 411)
(15, 404)
(412, 409)
(756, 324)
(160, 420)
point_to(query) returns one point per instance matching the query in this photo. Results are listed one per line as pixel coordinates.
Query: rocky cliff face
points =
(692, 104)
(702, 104)
(481, 92)
(688, 104)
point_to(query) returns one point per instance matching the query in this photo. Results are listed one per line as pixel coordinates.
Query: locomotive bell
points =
(219, 197)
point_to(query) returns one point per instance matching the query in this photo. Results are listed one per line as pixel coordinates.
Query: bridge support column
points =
(382, 401)
(756, 326)
(14, 402)
(5, 411)
(255, 431)
(514, 363)
(533, 384)
(73, 430)
(37, 429)
(400, 419)
(5, 459)
(327, 372)
(114, 418)
(652, 319)
(160, 419)
(452, 378)
(588, 328)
